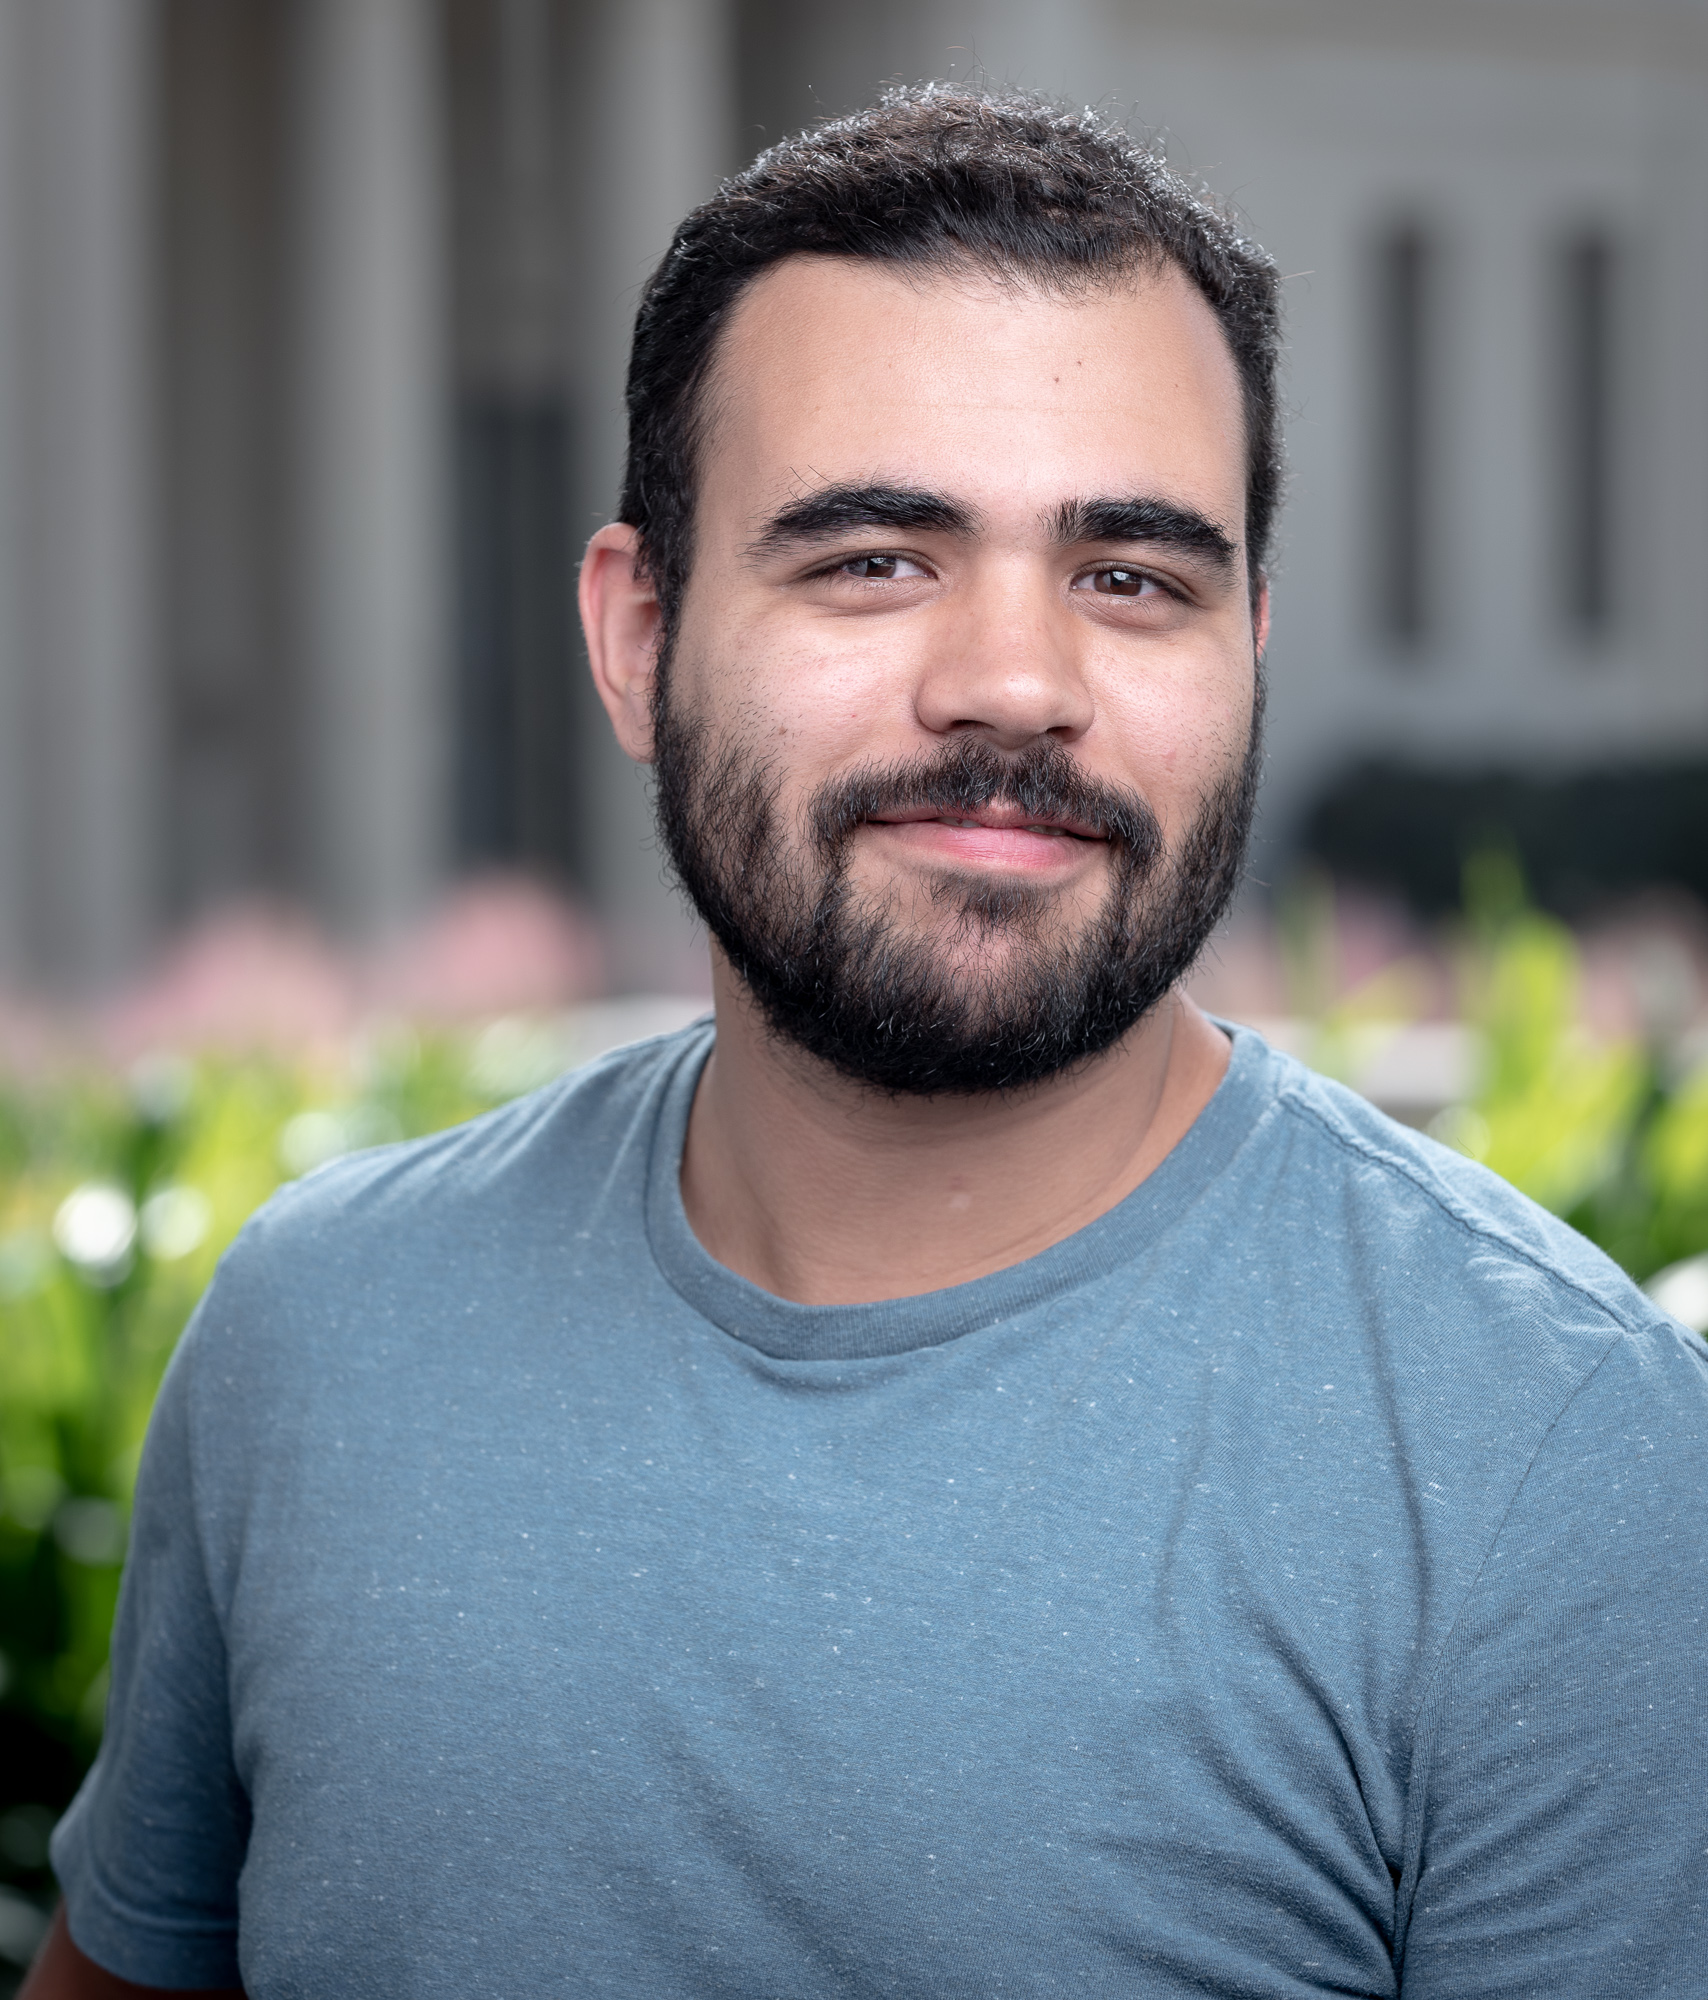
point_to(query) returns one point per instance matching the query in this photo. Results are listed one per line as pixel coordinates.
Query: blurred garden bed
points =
(133, 1147)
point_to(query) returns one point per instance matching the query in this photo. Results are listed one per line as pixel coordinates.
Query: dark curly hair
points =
(939, 175)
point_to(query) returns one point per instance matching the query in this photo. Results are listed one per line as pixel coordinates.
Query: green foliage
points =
(1556, 1109)
(1612, 1135)
(1650, 1209)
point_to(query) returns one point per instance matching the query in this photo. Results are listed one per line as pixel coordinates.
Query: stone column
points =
(15, 798)
(81, 728)
(371, 450)
(658, 112)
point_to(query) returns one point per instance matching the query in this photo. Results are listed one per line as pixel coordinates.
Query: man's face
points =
(956, 736)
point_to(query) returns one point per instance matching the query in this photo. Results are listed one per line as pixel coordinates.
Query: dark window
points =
(514, 743)
(1403, 283)
(512, 268)
(1584, 319)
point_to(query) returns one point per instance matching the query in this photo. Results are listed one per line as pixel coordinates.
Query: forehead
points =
(1004, 395)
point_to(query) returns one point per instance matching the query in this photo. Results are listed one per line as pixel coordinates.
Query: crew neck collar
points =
(786, 1331)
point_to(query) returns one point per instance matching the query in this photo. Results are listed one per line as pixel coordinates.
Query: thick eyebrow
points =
(1159, 522)
(834, 510)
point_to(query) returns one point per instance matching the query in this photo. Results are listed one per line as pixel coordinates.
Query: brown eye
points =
(1122, 582)
(879, 569)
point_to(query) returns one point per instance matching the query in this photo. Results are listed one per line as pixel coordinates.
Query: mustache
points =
(1042, 781)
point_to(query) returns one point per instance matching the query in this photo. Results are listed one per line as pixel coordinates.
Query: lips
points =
(991, 819)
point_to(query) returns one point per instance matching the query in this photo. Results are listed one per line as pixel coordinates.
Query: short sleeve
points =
(150, 1852)
(1558, 1839)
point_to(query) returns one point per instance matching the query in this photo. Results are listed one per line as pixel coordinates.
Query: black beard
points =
(883, 1005)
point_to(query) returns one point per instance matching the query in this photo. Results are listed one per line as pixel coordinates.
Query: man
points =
(973, 1478)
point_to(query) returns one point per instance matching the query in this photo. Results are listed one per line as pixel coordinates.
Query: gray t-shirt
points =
(1292, 1584)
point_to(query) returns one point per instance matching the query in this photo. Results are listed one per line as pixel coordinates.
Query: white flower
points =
(95, 1228)
(1682, 1290)
(173, 1222)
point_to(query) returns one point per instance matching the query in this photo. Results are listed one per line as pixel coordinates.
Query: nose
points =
(1003, 662)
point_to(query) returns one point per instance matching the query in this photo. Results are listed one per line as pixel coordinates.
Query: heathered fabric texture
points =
(1292, 1584)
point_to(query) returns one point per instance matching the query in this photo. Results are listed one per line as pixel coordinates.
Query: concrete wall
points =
(266, 270)
(80, 704)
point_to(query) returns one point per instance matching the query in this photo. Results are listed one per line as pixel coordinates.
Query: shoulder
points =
(1465, 1277)
(556, 1142)
(579, 1123)
(1413, 1177)
(396, 1232)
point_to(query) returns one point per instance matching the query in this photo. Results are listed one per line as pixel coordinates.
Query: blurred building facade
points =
(312, 323)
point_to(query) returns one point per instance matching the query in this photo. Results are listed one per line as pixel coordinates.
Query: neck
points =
(824, 1192)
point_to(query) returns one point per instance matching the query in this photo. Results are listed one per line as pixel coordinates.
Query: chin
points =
(989, 911)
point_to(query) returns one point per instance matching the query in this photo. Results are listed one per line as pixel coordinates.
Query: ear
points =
(621, 619)
(1260, 617)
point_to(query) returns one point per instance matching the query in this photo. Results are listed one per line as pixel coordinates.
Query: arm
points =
(1560, 1792)
(62, 1972)
(149, 1853)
